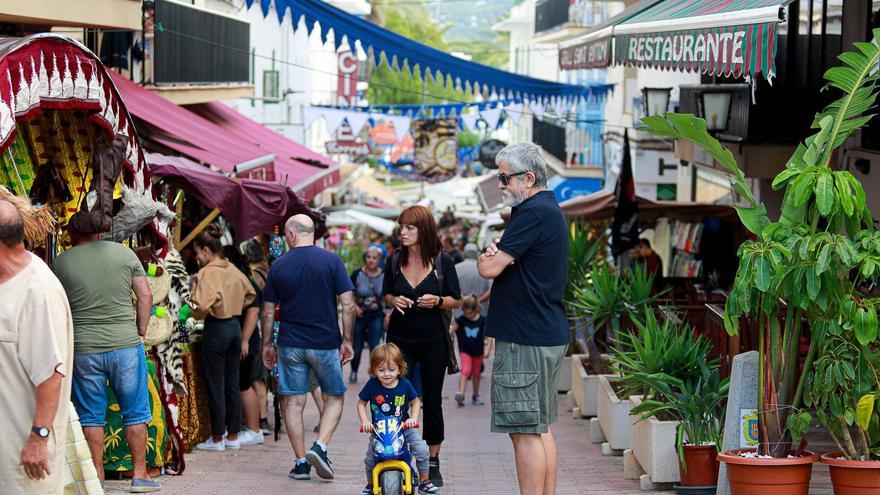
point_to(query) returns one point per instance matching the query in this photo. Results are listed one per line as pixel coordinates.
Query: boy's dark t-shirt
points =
(388, 401)
(471, 335)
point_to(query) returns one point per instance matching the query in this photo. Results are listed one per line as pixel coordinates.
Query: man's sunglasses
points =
(505, 178)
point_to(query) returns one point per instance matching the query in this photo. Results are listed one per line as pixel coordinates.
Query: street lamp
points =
(716, 108)
(655, 100)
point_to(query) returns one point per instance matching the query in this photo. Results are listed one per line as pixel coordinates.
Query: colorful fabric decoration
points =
(16, 168)
(117, 455)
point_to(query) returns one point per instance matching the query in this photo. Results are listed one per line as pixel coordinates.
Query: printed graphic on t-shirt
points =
(471, 332)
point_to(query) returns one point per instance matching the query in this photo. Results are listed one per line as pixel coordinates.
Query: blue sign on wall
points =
(568, 188)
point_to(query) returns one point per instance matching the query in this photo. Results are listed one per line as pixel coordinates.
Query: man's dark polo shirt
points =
(526, 305)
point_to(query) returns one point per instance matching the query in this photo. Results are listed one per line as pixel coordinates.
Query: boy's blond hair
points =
(386, 353)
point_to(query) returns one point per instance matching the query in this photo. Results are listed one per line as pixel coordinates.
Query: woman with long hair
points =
(220, 295)
(370, 306)
(251, 353)
(418, 326)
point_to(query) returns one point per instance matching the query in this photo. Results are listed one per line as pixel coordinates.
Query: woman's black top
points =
(419, 323)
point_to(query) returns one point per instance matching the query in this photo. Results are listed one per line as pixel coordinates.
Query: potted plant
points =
(654, 349)
(843, 389)
(805, 259)
(697, 403)
(584, 251)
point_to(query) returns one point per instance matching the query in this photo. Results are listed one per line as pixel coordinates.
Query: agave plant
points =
(667, 348)
(639, 289)
(697, 402)
(603, 301)
(815, 257)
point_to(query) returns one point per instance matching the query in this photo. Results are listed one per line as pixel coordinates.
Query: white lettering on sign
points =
(727, 47)
(588, 55)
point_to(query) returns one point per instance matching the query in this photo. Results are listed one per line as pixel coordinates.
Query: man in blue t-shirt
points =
(305, 283)
(526, 316)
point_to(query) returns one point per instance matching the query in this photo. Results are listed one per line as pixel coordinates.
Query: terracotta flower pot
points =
(853, 477)
(755, 476)
(702, 466)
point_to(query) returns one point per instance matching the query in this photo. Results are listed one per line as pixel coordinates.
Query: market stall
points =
(69, 148)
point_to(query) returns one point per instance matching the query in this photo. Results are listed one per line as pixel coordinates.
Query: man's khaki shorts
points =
(524, 389)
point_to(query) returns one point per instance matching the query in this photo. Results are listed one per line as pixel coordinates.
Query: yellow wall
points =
(125, 14)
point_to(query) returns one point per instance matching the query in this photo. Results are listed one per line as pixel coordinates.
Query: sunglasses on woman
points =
(505, 178)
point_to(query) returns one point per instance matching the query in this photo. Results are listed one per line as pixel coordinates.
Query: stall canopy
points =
(354, 217)
(404, 53)
(303, 170)
(715, 37)
(600, 206)
(51, 72)
(189, 134)
(251, 206)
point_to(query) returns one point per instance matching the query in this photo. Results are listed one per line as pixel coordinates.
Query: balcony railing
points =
(550, 14)
(197, 46)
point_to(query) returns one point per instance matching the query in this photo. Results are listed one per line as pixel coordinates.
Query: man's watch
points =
(439, 301)
(41, 431)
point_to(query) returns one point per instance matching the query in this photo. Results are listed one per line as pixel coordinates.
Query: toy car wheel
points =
(392, 483)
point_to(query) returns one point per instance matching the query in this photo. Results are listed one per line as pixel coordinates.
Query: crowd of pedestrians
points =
(407, 305)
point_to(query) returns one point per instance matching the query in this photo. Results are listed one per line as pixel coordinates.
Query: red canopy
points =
(185, 132)
(251, 206)
(303, 170)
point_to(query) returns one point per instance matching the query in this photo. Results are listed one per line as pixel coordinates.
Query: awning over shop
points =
(305, 171)
(354, 217)
(405, 53)
(375, 189)
(251, 206)
(716, 37)
(600, 206)
(187, 133)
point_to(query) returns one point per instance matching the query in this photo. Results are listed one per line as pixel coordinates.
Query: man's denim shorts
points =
(294, 364)
(126, 372)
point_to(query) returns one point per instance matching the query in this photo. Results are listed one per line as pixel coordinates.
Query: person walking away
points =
(450, 249)
(370, 308)
(526, 315)
(99, 278)
(470, 280)
(221, 295)
(421, 285)
(36, 365)
(251, 353)
(388, 392)
(256, 257)
(306, 282)
(469, 329)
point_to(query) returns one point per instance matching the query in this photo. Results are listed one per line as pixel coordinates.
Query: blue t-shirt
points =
(390, 401)
(471, 335)
(526, 306)
(305, 283)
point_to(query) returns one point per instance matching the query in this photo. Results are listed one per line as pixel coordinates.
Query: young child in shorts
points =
(386, 391)
(469, 329)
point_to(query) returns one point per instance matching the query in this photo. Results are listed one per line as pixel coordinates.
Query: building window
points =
(270, 86)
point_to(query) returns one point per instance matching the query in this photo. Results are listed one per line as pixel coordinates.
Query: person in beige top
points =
(220, 295)
(36, 359)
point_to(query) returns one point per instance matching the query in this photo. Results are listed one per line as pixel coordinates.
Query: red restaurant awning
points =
(305, 171)
(187, 133)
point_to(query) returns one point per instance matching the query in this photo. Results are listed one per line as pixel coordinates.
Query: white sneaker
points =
(211, 445)
(233, 444)
(248, 437)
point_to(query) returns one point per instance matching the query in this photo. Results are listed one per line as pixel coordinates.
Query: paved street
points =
(474, 461)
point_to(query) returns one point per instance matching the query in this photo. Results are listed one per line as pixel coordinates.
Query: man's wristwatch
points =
(439, 302)
(41, 431)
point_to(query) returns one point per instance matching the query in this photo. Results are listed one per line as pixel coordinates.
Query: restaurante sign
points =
(590, 55)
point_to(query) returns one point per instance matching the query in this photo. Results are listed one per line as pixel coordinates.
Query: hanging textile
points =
(117, 455)
(17, 168)
(402, 52)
